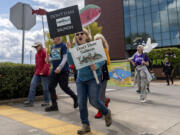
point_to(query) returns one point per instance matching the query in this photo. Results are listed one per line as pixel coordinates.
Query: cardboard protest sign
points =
(64, 21)
(120, 74)
(87, 54)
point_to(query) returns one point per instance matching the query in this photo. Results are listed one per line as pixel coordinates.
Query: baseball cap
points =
(36, 44)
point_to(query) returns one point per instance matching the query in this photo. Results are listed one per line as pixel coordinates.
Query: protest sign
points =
(64, 21)
(120, 74)
(87, 54)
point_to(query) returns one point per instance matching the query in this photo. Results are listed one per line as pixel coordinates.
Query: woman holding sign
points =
(87, 86)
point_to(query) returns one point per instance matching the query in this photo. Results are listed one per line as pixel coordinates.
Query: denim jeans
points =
(89, 89)
(34, 82)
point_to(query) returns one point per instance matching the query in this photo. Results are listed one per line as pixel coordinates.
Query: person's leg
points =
(32, 91)
(82, 102)
(138, 82)
(103, 91)
(102, 97)
(93, 94)
(143, 86)
(53, 80)
(171, 77)
(63, 83)
(148, 87)
(45, 84)
(167, 78)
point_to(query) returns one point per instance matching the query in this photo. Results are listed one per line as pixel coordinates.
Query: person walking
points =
(167, 69)
(105, 74)
(59, 73)
(41, 74)
(87, 86)
(142, 75)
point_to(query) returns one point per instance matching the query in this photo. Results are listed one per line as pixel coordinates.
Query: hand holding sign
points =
(87, 55)
(64, 21)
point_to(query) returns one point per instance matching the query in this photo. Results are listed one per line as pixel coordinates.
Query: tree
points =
(94, 28)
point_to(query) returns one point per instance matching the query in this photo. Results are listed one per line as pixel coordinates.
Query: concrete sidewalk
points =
(159, 116)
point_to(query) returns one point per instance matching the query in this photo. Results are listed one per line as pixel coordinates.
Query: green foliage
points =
(15, 80)
(94, 29)
(157, 56)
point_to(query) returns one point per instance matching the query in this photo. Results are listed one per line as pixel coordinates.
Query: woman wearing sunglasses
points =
(87, 86)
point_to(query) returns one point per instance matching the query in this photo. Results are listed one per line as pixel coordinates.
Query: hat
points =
(36, 44)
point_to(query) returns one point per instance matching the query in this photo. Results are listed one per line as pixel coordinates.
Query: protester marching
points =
(78, 47)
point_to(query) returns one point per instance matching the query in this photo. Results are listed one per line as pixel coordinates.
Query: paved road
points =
(159, 116)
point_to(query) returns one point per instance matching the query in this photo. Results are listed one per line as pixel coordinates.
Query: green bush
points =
(15, 80)
(157, 56)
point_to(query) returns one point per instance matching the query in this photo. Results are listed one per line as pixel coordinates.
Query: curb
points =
(21, 100)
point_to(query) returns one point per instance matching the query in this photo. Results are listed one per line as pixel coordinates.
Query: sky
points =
(11, 38)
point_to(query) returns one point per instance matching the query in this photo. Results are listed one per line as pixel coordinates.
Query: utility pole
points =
(31, 57)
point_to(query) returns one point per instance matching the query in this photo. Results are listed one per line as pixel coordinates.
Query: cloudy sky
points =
(11, 38)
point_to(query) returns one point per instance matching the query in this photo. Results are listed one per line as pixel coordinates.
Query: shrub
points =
(157, 56)
(15, 80)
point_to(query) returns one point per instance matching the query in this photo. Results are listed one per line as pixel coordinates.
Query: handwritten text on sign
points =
(87, 54)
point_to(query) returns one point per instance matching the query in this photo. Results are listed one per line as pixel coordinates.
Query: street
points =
(158, 116)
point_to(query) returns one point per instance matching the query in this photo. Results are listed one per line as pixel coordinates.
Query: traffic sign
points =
(21, 16)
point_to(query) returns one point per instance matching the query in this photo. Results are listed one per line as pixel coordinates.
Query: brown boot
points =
(85, 129)
(108, 119)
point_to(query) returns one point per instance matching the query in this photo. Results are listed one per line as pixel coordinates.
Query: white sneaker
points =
(143, 101)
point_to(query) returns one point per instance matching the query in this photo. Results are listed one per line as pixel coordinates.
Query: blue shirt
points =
(139, 58)
(56, 56)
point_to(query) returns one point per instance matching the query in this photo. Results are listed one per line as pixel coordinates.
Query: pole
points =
(94, 72)
(43, 28)
(89, 29)
(67, 38)
(23, 34)
(95, 76)
(30, 57)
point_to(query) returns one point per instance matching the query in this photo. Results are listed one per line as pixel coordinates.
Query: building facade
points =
(111, 20)
(157, 19)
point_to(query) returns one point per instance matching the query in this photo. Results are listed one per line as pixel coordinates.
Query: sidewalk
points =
(159, 116)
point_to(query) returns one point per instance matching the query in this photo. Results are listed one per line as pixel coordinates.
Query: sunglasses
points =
(80, 34)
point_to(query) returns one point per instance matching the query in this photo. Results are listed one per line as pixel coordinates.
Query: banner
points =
(64, 21)
(87, 54)
(120, 74)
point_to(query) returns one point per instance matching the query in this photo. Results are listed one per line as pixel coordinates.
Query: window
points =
(132, 4)
(173, 16)
(147, 3)
(147, 10)
(164, 20)
(163, 5)
(139, 3)
(156, 22)
(154, 2)
(148, 23)
(140, 20)
(165, 36)
(166, 43)
(155, 8)
(157, 36)
(140, 11)
(133, 25)
(127, 26)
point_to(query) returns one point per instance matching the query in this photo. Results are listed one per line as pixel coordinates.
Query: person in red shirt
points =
(41, 73)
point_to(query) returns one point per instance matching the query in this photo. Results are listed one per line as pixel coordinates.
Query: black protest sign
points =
(64, 21)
